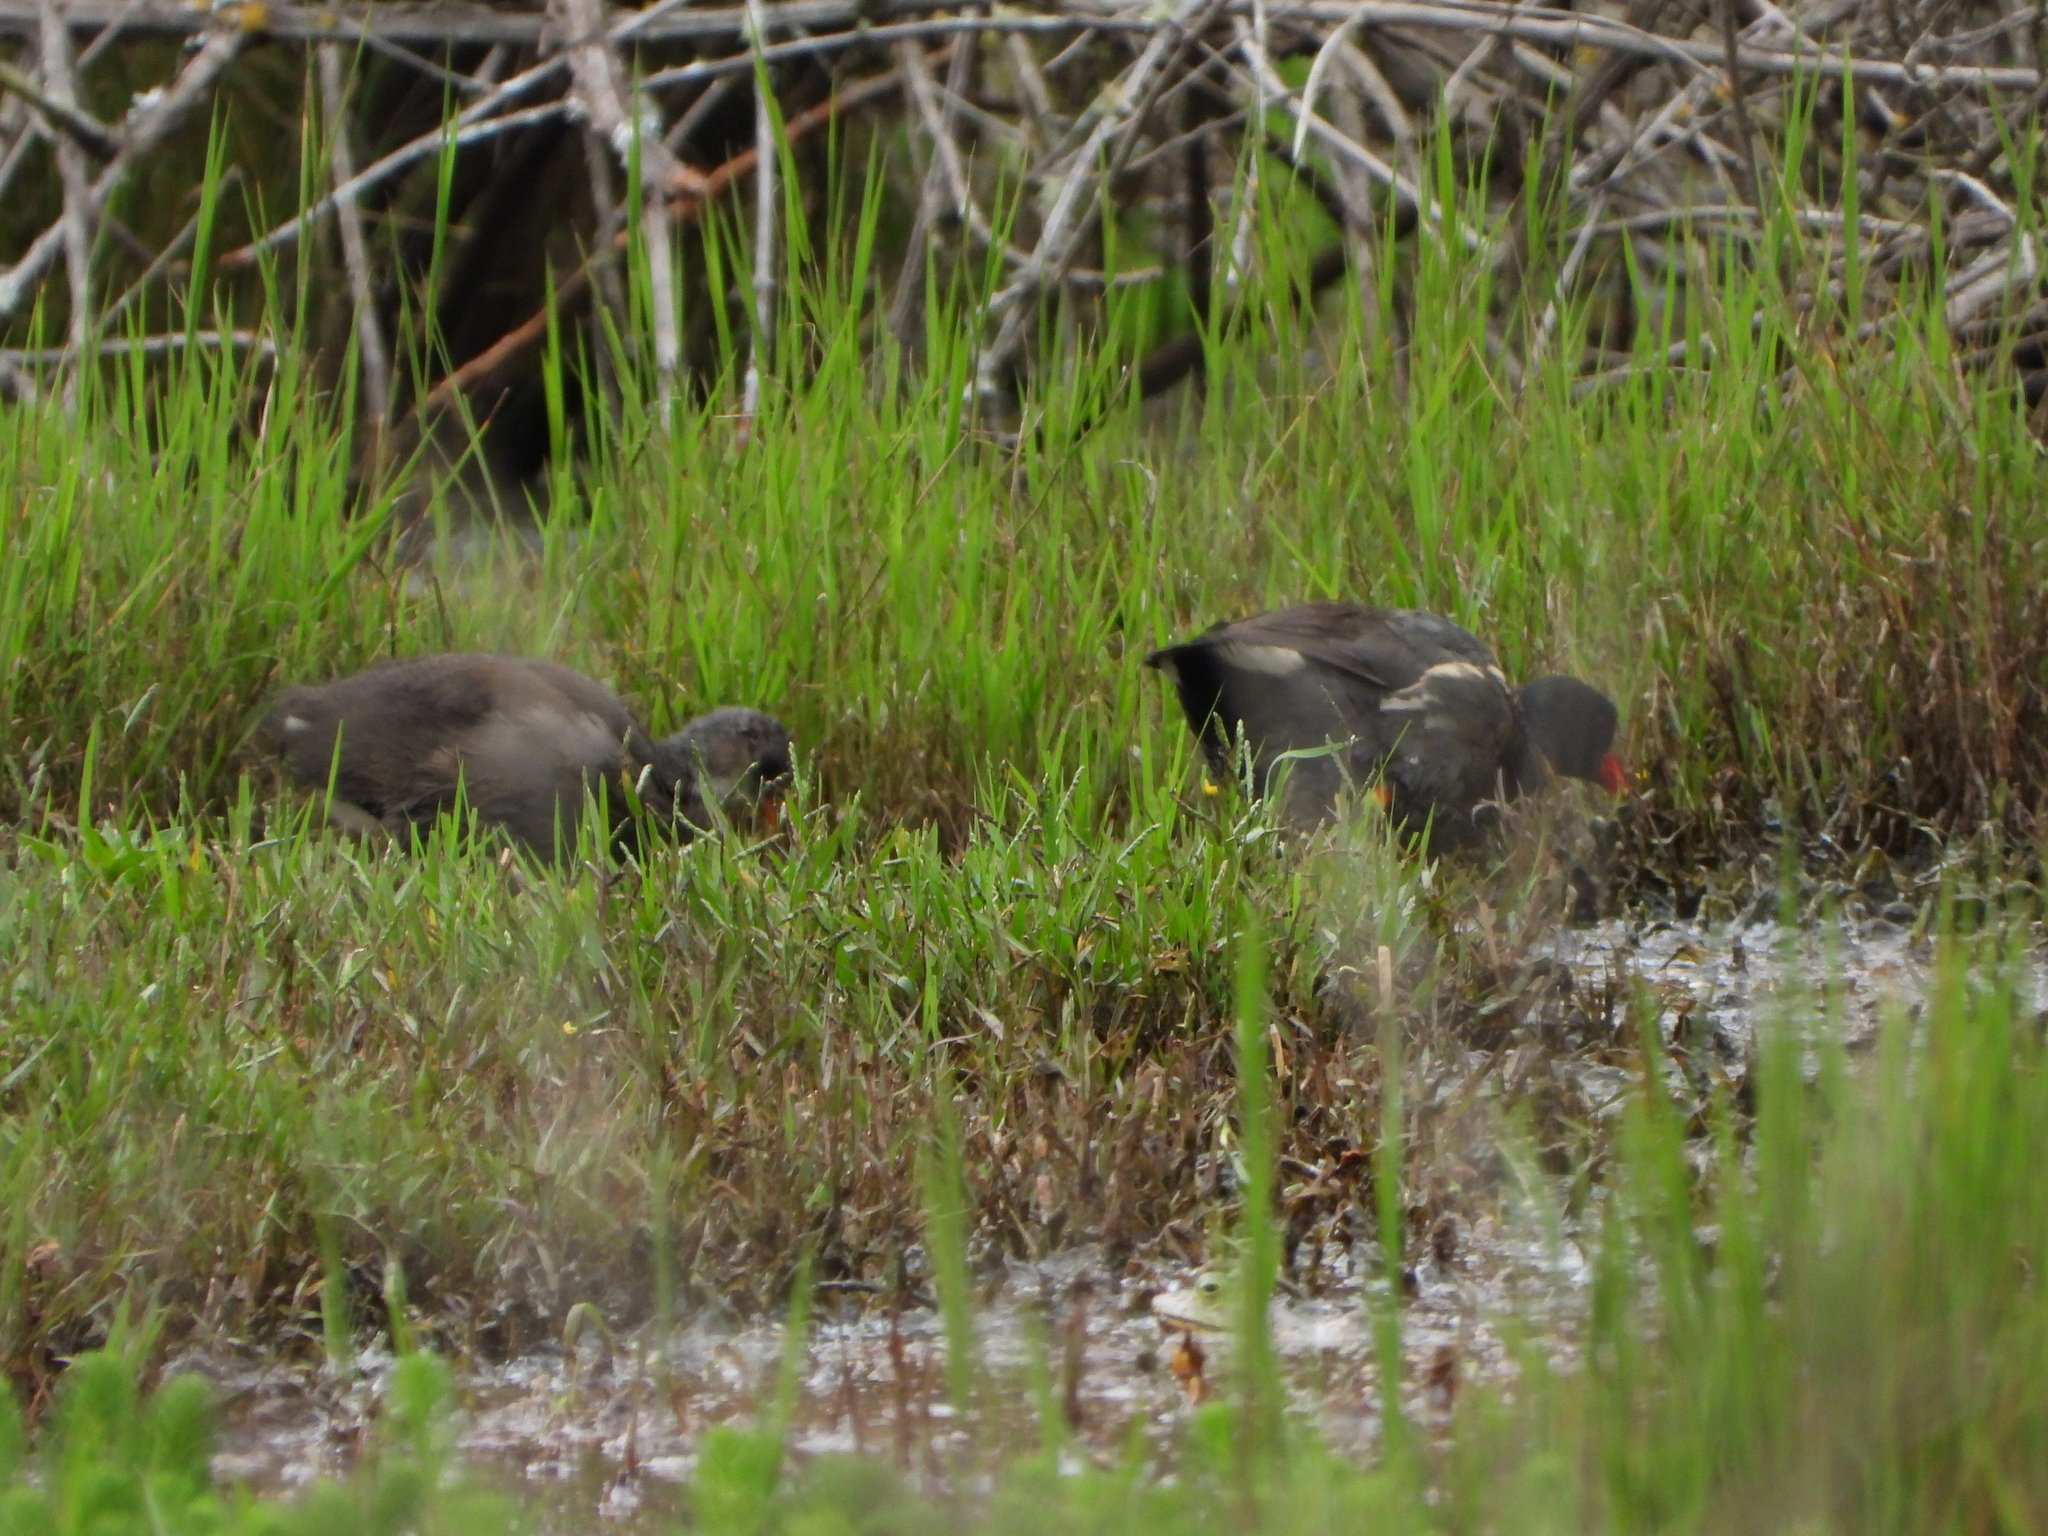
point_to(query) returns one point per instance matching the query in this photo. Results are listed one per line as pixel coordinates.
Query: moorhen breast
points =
(1403, 695)
(525, 743)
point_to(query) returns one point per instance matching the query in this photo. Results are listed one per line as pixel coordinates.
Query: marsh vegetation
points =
(883, 1134)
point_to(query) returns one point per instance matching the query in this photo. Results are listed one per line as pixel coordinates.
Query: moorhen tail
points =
(524, 742)
(1342, 693)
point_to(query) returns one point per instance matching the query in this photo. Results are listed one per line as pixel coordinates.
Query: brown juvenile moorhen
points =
(1405, 695)
(527, 741)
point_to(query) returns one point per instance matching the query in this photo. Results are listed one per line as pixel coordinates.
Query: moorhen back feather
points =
(1407, 696)
(524, 742)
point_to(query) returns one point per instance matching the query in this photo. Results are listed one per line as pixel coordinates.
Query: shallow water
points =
(618, 1429)
(615, 1426)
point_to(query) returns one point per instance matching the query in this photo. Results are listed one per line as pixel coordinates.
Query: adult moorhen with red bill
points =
(1403, 696)
(524, 743)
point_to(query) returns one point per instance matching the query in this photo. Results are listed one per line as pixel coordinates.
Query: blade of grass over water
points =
(946, 1227)
(1258, 1266)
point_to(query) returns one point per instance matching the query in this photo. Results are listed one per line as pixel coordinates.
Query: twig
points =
(145, 346)
(1312, 87)
(21, 133)
(180, 243)
(599, 85)
(376, 364)
(399, 160)
(81, 125)
(1567, 277)
(79, 210)
(108, 35)
(1450, 97)
(694, 115)
(985, 121)
(891, 33)
(760, 354)
(1181, 141)
(446, 21)
(2012, 270)
(1341, 145)
(469, 85)
(1738, 97)
(1045, 121)
(1244, 212)
(1373, 85)
(947, 173)
(662, 22)
(1568, 30)
(1730, 213)
(944, 171)
(439, 23)
(611, 293)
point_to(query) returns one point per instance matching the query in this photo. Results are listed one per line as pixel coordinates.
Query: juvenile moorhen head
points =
(723, 763)
(1404, 695)
(524, 743)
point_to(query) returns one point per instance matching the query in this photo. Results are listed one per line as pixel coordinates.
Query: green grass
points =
(244, 1063)
(1813, 573)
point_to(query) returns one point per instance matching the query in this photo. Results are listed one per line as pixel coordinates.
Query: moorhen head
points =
(729, 760)
(524, 743)
(1341, 693)
(1570, 726)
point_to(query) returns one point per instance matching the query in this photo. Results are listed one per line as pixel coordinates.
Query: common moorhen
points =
(525, 741)
(1402, 694)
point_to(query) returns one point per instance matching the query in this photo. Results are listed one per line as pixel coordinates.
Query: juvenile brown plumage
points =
(524, 742)
(1407, 696)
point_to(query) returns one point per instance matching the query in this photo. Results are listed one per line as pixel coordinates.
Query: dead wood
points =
(1651, 127)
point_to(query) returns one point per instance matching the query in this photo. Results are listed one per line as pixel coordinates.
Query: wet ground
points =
(617, 1428)
(1117, 1352)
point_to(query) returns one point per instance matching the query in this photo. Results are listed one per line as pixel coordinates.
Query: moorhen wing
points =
(525, 742)
(1402, 694)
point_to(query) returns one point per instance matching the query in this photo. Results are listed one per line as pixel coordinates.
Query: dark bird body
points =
(524, 743)
(1403, 696)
